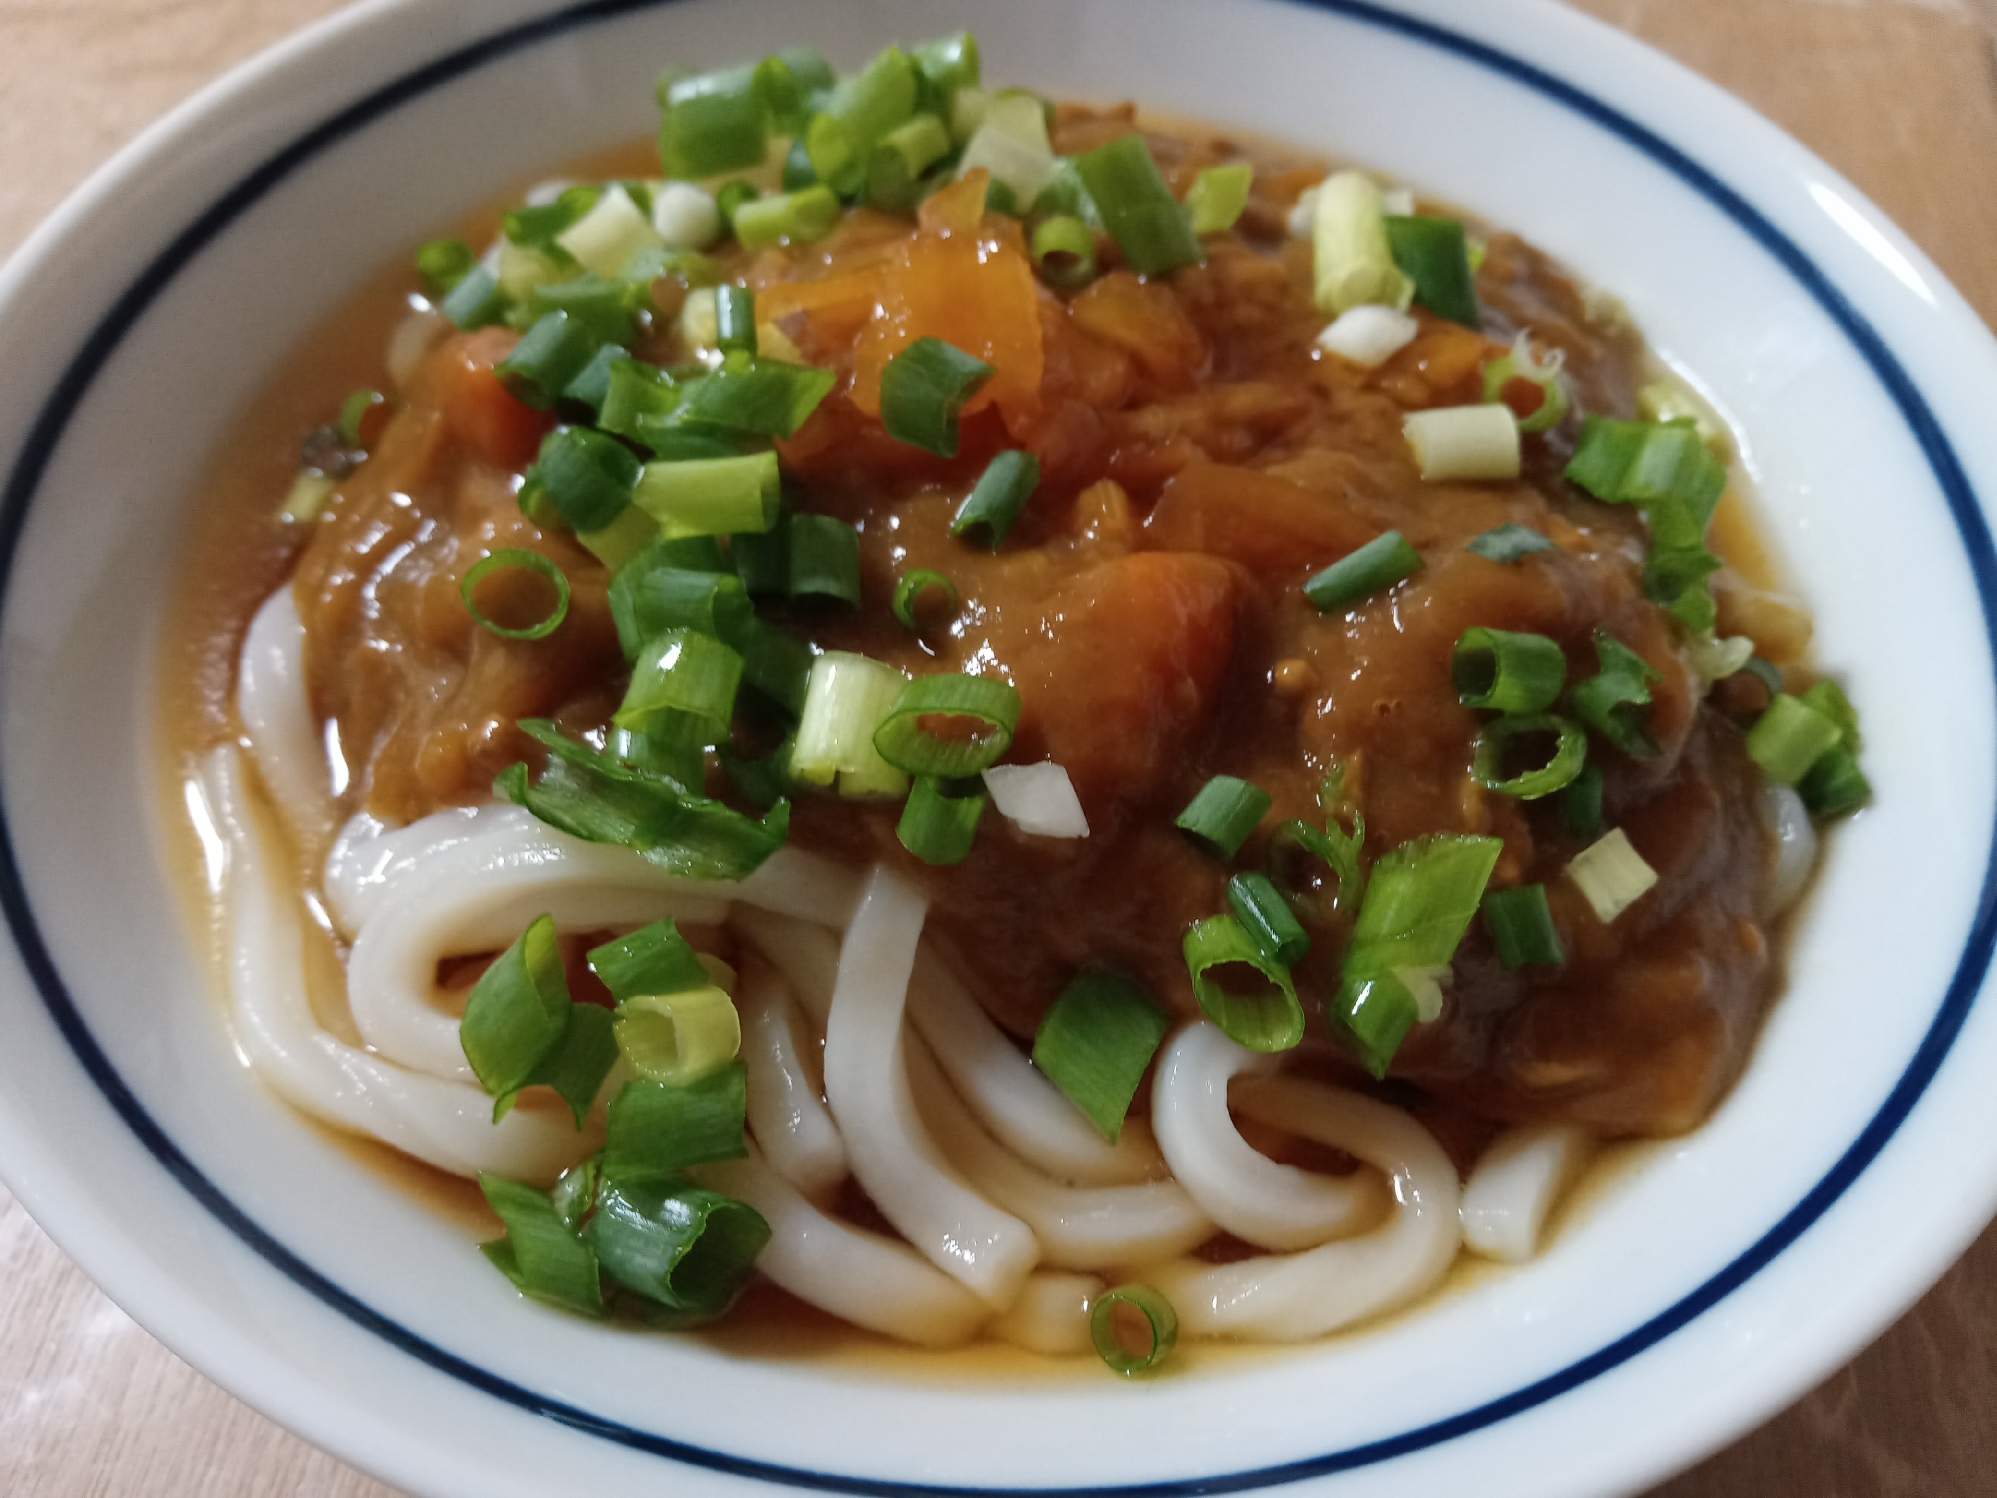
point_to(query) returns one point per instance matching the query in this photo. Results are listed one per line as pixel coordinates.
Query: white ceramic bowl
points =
(1701, 1293)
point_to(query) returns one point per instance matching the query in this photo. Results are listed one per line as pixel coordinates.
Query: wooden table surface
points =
(1900, 95)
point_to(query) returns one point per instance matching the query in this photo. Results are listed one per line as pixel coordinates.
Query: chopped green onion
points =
(1352, 259)
(1834, 785)
(761, 782)
(922, 390)
(587, 476)
(1380, 563)
(1715, 659)
(529, 561)
(877, 98)
(1611, 875)
(1064, 251)
(735, 320)
(1581, 803)
(665, 742)
(909, 591)
(652, 959)
(655, 1129)
(846, 699)
(1432, 254)
(824, 559)
(1218, 196)
(711, 496)
(1522, 926)
(594, 797)
(1519, 364)
(1828, 698)
(1265, 915)
(540, 1252)
(1496, 739)
(1137, 207)
(679, 1036)
(940, 819)
(896, 164)
(476, 301)
(1263, 1016)
(647, 600)
(1418, 904)
(948, 724)
(1668, 472)
(774, 662)
(786, 81)
(574, 1192)
(442, 263)
(1505, 671)
(1509, 542)
(1339, 849)
(637, 398)
(1790, 737)
(686, 671)
(1095, 1042)
(1368, 335)
(604, 309)
(798, 217)
(713, 123)
(308, 495)
(354, 413)
(1464, 442)
(521, 1030)
(770, 398)
(1222, 815)
(762, 560)
(798, 170)
(1011, 145)
(686, 1247)
(1607, 701)
(996, 500)
(1160, 1320)
(624, 538)
(548, 356)
(730, 196)
(591, 386)
(836, 159)
(946, 65)
(537, 225)
(614, 229)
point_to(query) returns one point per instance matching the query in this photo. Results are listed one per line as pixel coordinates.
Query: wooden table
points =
(1900, 95)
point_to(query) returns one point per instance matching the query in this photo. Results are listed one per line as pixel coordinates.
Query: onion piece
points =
(1611, 874)
(1037, 798)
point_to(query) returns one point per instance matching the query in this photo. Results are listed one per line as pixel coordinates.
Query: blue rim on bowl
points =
(28, 468)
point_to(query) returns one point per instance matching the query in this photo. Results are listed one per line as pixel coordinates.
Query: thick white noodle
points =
(1516, 1183)
(1079, 1227)
(1242, 1189)
(786, 1113)
(1295, 1297)
(1051, 1314)
(859, 1276)
(806, 954)
(866, 1082)
(1014, 1099)
(1795, 838)
(478, 896)
(447, 1124)
(368, 855)
(277, 717)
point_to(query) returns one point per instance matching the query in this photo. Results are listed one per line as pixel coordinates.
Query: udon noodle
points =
(919, 1174)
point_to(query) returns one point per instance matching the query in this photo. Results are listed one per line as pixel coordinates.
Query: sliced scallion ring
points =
(978, 712)
(908, 593)
(1265, 1017)
(1570, 752)
(1160, 1320)
(531, 561)
(1520, 364)
(1507, 671)
(1064, 251)
(922, 390)
(939, 821)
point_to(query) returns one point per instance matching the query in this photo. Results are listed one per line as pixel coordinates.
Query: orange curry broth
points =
(1199, 462)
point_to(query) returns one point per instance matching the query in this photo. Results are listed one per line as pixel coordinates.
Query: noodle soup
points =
(1028, 727)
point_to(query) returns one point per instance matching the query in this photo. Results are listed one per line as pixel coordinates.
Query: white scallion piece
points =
(1464, 442)
(541, 194)
(1352, 263)
(1368, 336)
(845, 699)
(520, 268)
(685, 215)
(700, 321)
(1425, 983)
(1037, 798)
(1011, 143)
(1303, 214)
(1611, 875)
(1715, 658)
(1398, 201)
(613, 230)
